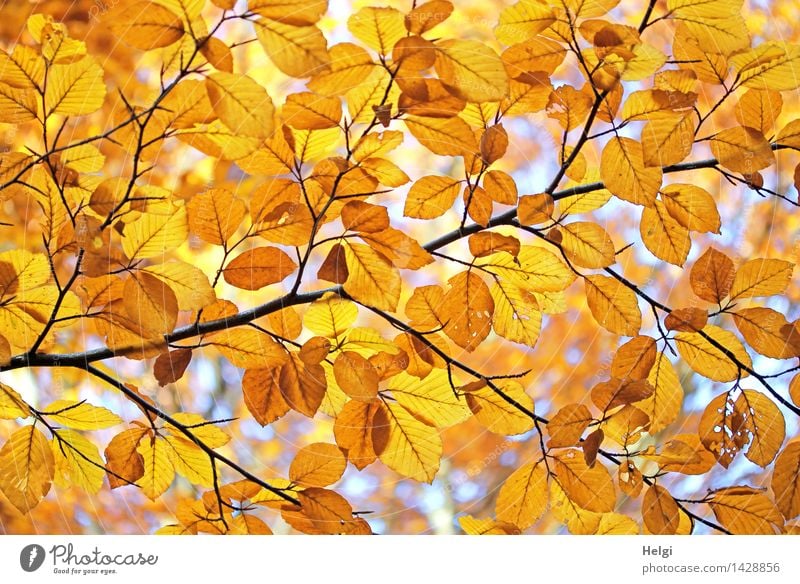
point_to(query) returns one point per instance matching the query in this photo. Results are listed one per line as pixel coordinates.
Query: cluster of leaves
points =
(87, 170)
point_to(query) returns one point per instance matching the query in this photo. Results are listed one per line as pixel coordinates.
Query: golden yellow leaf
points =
(624, 426)
(499, 413)
(685, 454)
(11, 404)
(190, 461)
(215, 215)
(530, 95)
(742, 149)
(317, 465)
(664, 236)
(77, 462)
(590, 488)
(668, 138)
(705, 8)
(218, 140)
(241, 104)
(768, 332)
(371, 98)
(248, 348)
(691, 206)
(158, 470)
(617, 524)
(27, 468)
(761, 277)
(385, 172)
(624, 173)
(579, 521)
(307, 111)
(364, 217)
(535, 268)
(569, 106)
(517, 316)
(522, 21)
(587, 244)
(299, 51)
(150, 303)
(766, 425)
(190, 284)
(296, 12)
(745, 510)
(80, 415)
(17, 105)
(378, 27)
(523, 497)
(430, 400)
(22, 68)
(759, 109)
(664, 406)
(533, 54)
(373, 280)
(405, 444)
(431, 197)
(443, 136)
(156, 232)
(722, 35)
(533, 209)
(331, 316)
(707, 359)
(473, 526)
(487, 243)
(471, 70)
(75, 89)
(246, 524)
(660, 511)
(653, 103)
(614, 306)
(728, 424)
(352, 72)
(144, 25)
(773, 65)
(786, 480)
(789, 135)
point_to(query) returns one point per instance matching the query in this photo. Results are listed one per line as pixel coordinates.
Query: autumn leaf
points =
(523, 497)
(26, 468)
(746, 510)
(317, 465)
(259, 267)
(145, 25)
(613, 305)
(660, 511)
(405, 444)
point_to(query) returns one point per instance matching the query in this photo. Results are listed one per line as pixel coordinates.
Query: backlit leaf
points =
(26, 468)
(523, 496)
